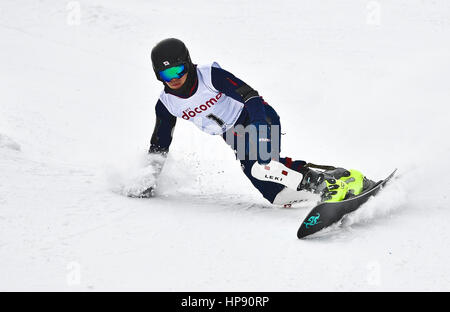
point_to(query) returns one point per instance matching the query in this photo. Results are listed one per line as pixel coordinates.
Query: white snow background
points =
(359, 84)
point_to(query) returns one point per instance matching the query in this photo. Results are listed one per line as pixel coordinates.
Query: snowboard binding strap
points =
(323, 167)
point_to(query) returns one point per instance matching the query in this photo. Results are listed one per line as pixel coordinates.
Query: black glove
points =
(150, 192)
(147, 180)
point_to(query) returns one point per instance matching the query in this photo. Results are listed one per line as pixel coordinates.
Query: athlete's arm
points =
(237, 89)
(162, 133)
(159, 147)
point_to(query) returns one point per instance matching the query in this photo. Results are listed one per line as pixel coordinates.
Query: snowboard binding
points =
(334, 184)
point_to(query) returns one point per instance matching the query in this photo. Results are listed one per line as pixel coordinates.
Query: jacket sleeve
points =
(162, 133)
(237, 89)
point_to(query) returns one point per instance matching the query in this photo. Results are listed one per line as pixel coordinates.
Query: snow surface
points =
(359, 84)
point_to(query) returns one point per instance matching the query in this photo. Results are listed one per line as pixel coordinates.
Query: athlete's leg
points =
(268, 189)
(331, 185)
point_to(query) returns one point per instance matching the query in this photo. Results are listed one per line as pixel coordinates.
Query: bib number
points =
(216, 119)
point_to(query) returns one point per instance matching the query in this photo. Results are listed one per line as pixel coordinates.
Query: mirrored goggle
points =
(175, 72)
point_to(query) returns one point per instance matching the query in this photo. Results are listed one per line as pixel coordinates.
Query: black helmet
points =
(168, 53)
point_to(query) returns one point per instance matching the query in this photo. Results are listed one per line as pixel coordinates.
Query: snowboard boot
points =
(329, 188)
(356, 181)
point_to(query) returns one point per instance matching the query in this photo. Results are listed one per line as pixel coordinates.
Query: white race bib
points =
(210, 110)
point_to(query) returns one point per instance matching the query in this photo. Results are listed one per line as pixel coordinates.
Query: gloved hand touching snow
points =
(144, 183)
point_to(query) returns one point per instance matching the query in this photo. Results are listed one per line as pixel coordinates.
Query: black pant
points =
(268, 189)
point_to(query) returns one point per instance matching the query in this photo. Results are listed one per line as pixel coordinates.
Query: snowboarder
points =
(220, 103)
